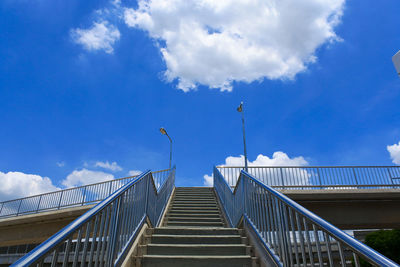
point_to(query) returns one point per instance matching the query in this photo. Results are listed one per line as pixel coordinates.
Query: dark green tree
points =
(386, 242)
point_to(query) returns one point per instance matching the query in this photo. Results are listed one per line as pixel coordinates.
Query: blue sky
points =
(66, 106)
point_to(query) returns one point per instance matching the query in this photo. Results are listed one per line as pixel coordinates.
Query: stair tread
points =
(196, 245)
(199, 257)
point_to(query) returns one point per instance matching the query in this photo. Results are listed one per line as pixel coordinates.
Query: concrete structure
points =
(352, 208)
(36, 228)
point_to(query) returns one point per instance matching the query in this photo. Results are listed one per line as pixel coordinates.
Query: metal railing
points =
(291, 234)
(103, 235)
(343, 177)
(71, 197)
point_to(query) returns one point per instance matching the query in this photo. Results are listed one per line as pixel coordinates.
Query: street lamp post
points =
(396, 62)
(164, 132)
(240, 109)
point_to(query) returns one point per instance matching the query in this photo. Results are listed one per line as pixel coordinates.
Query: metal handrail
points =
(293, 235)
(76, 196)
(319, 177)
(103, 235)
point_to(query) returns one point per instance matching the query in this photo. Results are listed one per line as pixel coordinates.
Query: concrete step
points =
(194, 205)
(193, 239)
(195, 249)
(183, 212)
(195, 231)
(197, 215)
(215, 207)
(185, 199)
(195, 200)
(196, 261)
(196, 224)
(197, 196)
(194, 197)
(194, 219)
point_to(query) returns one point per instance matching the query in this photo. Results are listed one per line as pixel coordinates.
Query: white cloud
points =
(394, 151)
(134, 172)
(208, 180)
(18, 184)
(60, 164)
(214, 43)
(85, 176)
(101, 36)
(278, 159)
(109, 166)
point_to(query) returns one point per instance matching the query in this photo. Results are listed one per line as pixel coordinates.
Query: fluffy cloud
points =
(60, 164)
(109, 166)
(134, 172)
(18, 184)
(85, 176)
(394, 151)
(214, 43)
(208, 180)
(278, 159)
(101, 36)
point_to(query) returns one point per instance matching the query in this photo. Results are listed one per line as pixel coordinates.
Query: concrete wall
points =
(36, 228)
(352, 208)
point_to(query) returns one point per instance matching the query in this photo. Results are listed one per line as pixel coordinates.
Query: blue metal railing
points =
(291, 234)
(103, 235)
(323, 177)
(66, 198)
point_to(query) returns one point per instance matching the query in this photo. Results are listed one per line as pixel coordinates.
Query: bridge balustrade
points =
(291, 234)
(103, 235)
(341, 177)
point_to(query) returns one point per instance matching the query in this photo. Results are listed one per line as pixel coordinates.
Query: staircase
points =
(194, 235)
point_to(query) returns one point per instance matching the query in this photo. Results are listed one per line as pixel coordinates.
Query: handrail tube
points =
(351, 242)
(46, 246)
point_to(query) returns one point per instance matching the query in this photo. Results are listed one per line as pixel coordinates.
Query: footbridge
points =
(262, 216)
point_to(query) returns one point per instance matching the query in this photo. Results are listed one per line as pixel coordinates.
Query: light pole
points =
(164, 132)
(396, 62)
(240, 109)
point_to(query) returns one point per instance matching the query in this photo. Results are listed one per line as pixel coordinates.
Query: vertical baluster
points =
(100, 236)
(77, 247)
(284, 210)
(341, 253)
(328, 249)
(85, 245)
(106, 237)
(296, 250)
(54, 259)
(320, 261)
(310, 250)
(66, 253)
(299, 229)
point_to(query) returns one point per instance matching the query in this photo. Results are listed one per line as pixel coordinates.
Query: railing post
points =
(390, 176)
(355, 176)
(83, 196)
(59, 202)
(40, 199)
(2, 205)
(20, 202)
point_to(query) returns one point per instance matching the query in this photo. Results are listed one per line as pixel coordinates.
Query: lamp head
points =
(396, 62)
(163, 131)
(240, 108)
